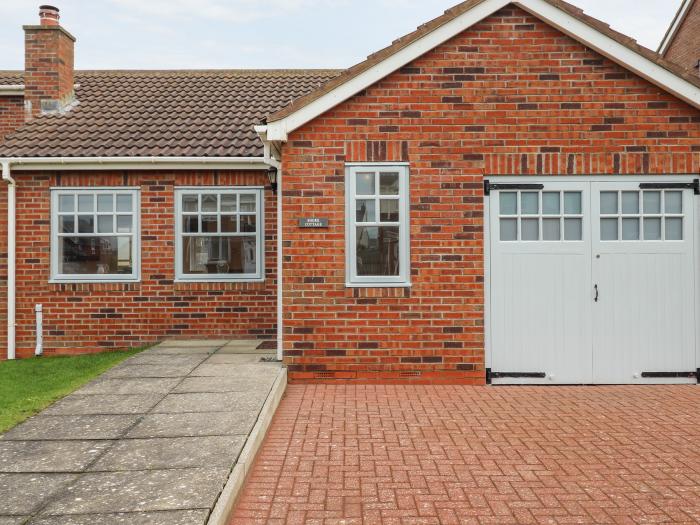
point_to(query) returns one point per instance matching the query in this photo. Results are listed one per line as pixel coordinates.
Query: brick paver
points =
(488, 455)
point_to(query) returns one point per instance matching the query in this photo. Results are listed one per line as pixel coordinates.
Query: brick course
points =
(511, 95)
(92, 317)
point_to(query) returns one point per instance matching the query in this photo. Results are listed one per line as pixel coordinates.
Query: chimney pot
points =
(48, 15)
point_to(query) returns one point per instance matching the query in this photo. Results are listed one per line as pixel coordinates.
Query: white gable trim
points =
(568, 24)
(677, 21)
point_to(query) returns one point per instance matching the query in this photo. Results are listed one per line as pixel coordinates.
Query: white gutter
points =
(12, 90)
(11, 255)
(135, 163)
(272, 161)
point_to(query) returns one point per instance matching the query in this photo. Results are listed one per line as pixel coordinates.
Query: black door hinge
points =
(671, 375)
(694, 185)
(490, 186)
(518, 375)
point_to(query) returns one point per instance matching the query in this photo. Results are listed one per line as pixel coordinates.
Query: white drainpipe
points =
(11, 256)
(39, 311)
(280, 316)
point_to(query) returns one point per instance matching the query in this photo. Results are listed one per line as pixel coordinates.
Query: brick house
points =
(681, 44)
(506, 194)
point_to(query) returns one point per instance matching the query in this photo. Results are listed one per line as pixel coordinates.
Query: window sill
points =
(94, 281)
(200, 280)
(378, 285)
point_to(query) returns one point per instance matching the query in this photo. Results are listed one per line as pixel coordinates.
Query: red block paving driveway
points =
(486, 455)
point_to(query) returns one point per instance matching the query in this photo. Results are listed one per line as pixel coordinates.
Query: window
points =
(94, 234)
(540, 216)
(377, 225)
(641, 215)
(219, 234)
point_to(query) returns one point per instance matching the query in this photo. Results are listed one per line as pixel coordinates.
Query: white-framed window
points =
(641, 215)
(94, 234)
(377, 225)
(532, 216)
(219, 234)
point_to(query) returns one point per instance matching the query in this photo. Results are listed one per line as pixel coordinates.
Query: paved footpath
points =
(152, 441)
(478, 455)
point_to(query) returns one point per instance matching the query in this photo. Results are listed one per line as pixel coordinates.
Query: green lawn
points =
(30, 385)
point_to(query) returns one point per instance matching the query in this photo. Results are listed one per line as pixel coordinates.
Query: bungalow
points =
(507, 195)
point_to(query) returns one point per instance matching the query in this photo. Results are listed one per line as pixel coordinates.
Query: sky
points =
(253, 34)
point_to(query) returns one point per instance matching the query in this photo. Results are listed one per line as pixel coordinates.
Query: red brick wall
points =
(685, 48)
(92, 317)
(11, 114)
(48, 65)
(509, 96)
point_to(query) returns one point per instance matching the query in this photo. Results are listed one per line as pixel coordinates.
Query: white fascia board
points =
(568, 24)
(615, 51)
(678, 19)
(136, 163)
(12, 90)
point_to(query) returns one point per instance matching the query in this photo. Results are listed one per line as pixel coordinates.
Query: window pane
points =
(105, 202)
(66, 224)
(190, 223)
(608, 229)
(652, 202)
(389, 210)
(219, 255)
(125, 203)
(228, 202)
(123, 223)
(550, 203)
(529, 203)
(86, 224)
(630, 202)
(389, 183)
(105, 223)
(674, 202)
(674, 229)
(209, 203)
(551, 229)
(652, 229)
(509, 203)
(248, 223)
(209, 224)
(86, 203)
(509, 229)
(630, 229)
(95, 255)
(365, 211)
(377, 250)
(66, 203)
(608, 203)
(247, 202)
(573, 229)
(572, 202)
(364, 184)
(190, 203)
(530, 229)
(228, 223)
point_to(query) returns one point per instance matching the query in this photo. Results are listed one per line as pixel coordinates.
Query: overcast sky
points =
(166, 34)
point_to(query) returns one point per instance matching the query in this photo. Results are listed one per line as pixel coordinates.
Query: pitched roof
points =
(162, 113)
(535, 7)
(682, 13)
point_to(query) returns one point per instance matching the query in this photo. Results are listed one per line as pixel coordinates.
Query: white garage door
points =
(592, 282)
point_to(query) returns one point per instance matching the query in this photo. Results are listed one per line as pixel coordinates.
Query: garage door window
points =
(550, 216)
(641, 215)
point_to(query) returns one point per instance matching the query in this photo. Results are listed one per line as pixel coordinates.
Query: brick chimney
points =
(48, 65)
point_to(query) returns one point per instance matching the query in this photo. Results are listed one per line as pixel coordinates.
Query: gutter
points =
(11, 256)
(270, 159)
(134, 163)
(12, 90)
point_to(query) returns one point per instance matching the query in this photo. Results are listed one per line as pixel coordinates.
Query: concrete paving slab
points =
(130, 386)
(12, 520)
(177, 350)
(164, 370)
(141, 491)
(199, 343)
(212, 402)
(49, 456)
(173, 517)
(230, 370)
(242, 349)
(193, 424)
(233, 359)
(225, 384)
(103, 404)
(149, 358)
(50, 428)
(24, 493)
(165, 453)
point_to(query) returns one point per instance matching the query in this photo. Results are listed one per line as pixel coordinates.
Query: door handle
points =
(596, 293)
